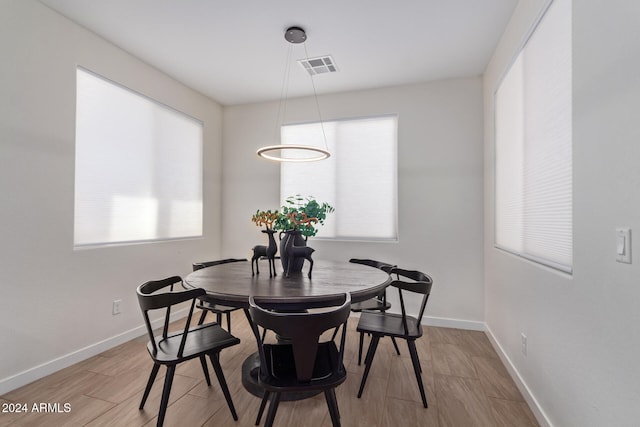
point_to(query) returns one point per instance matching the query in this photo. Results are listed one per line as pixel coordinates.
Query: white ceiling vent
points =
(319, 65)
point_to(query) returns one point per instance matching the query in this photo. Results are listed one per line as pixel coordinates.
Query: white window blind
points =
(138, 167)
(533, 147)
(359, 179)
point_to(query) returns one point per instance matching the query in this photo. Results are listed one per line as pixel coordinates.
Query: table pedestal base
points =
(250, 369)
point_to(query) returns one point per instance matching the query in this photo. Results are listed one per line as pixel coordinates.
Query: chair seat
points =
(388, 324)
(201, 339)
(281, 369)
(370, 304)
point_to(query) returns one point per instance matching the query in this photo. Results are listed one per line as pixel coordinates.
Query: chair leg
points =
(273, 407)
(202, 316)
(370, 354)
(417, 369)
(168, 380)
(395, 344)
(360, 348)
(219, 319)
(332, 403)
(263, 404)
(229, 321)
(152, 378)
(203, 362)
(215, 361)
(368, 361)
(333, 393)
(264, 331)
(335, 332)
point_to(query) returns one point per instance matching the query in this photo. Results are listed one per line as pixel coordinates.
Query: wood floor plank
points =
(113, 366)
(444, 335)
(118, 388)
(495, 379)
(462, 402)
(59, 387)
(399, 412)
(512, 414)
(127, 413)
(381, 362)
(366, 411)
(451, 359)
(403, 384)
(309, 412)
(12, 414)
(214, 392)
(466, 385)
(476, 343)
(82, 409)
(246, 406)
(190, 410)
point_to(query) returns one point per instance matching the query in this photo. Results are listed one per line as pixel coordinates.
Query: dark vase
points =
(294, 236)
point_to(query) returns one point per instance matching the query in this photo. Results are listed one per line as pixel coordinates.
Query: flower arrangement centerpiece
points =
(302, 214)
(299, 217)
(297, 220)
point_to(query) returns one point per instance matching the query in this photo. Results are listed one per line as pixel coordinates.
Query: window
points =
(533, 211)
(138, 167)
(359, 179)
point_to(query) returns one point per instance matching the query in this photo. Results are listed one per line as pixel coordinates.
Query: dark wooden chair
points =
(377, 303)
(205, 302)
(172, 348)
(301, 362)
(409, 328)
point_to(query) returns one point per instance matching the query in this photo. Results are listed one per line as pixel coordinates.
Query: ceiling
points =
(234, 51)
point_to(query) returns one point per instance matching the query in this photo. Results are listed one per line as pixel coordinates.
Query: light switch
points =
(623, 244)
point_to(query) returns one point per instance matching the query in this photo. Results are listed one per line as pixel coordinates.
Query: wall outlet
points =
(523, 342)
(115, 308)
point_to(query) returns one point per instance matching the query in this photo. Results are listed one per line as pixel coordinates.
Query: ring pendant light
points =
(302, 153)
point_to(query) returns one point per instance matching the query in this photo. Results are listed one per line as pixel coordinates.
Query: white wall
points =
(583, 330)
(439, 181)
(57, 301)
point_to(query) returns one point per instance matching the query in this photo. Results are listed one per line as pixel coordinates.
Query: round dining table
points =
(232, 284)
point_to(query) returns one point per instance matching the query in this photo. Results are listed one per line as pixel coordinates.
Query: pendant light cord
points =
(284, 92)
(315, 96)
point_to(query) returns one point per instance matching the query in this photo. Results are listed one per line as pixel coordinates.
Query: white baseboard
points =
(443, 322)
(37, 372)
(538, 412)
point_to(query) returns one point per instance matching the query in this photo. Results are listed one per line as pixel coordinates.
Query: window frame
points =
(522, 254)
(394, 150)
(198, 179)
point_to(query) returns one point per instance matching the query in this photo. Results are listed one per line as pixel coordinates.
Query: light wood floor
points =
(466, 385)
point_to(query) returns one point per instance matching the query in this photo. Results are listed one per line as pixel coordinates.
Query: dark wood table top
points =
(232, 284)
